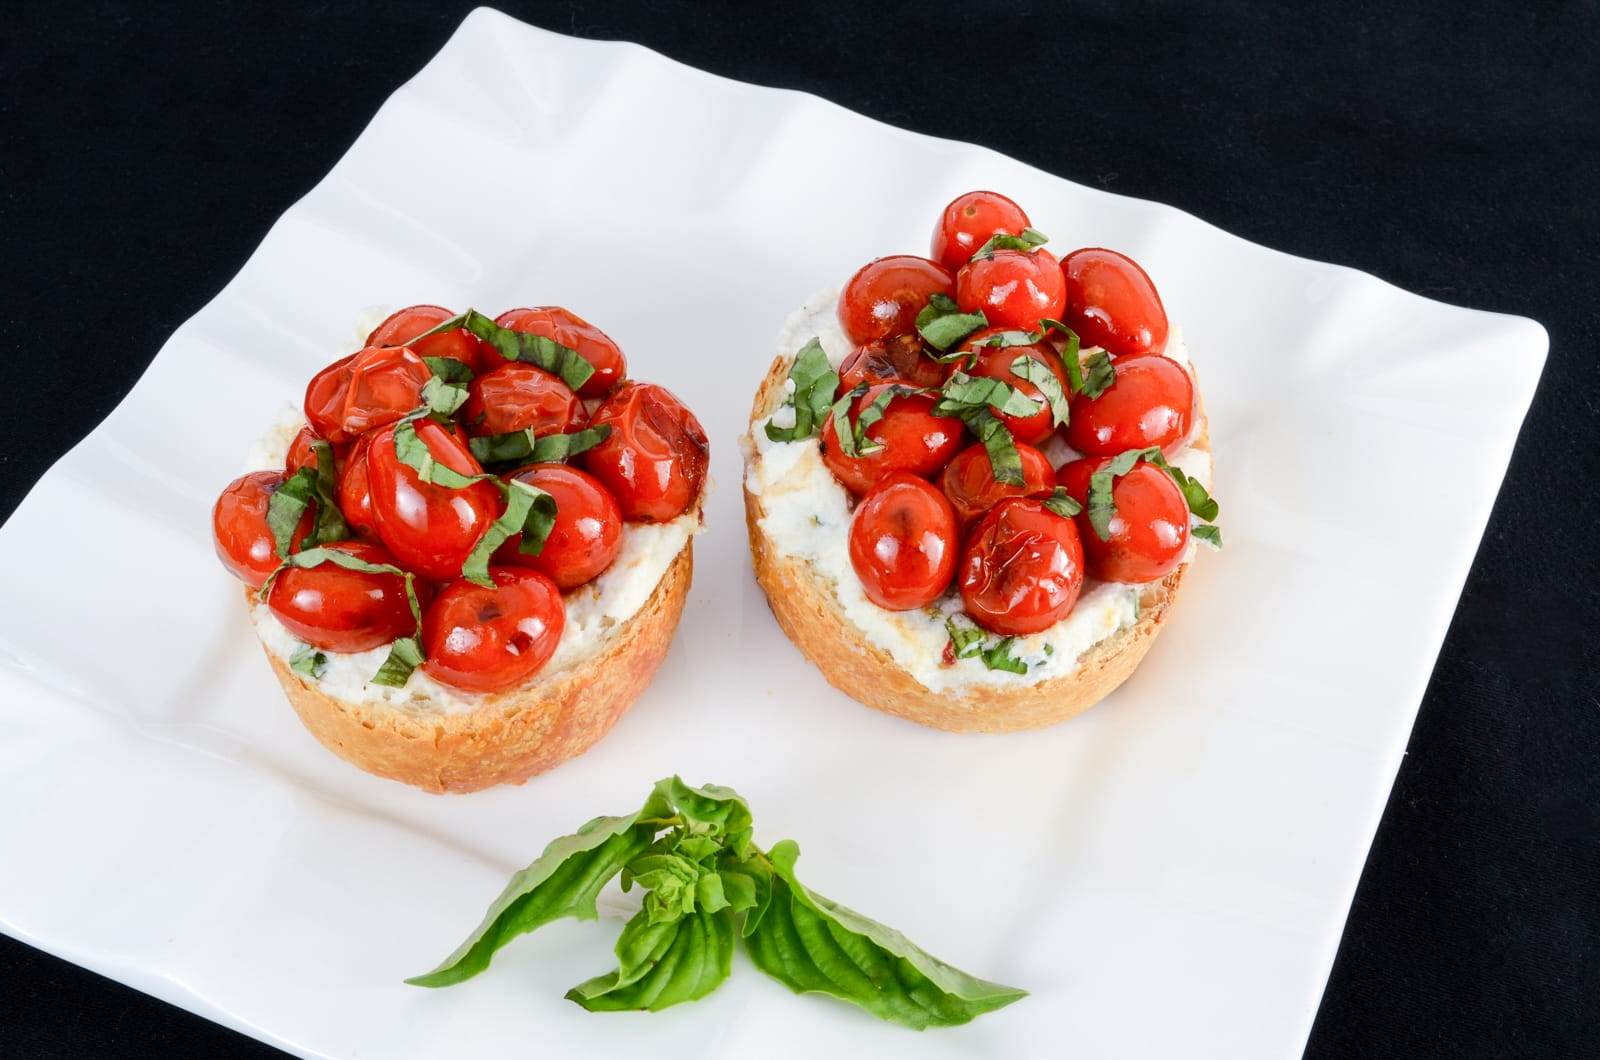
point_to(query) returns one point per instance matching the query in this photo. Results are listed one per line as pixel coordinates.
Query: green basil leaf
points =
(449, 369)
(841, 420)
(1005, 463)
(288, 505)
(1039, 374)
(814, 383)
(522, 447)
(942, 324)
(562, 882)
(1101, 507)
(663, 964)
(711, 810)
(1029, 239)
(308, 662)
(966, 639)
(1062, 503)
(963, 394)
(861, 444)
(998, 657)
(561, 361)
(1013, 338)
(443, 398)
(530, 511)
(1211, 535)
(330, 525)
(811, 944)
(1098, 374)
(405, 655)
(1195, 495)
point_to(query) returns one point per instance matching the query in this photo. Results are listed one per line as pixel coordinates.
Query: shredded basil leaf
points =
(1012, 338)
(1101, 507)
(1090, 376)
(963, 393)
(942, 323)
(1210, 534)
(814, 383)
(307, 487)
(413, 452)
(841, 419)
(443, 398)
(1039, 374)
(559, 360)
(405, 653)
(530, 511)
(1029, 239)
(449, 369)
(862, 445)
(1062, 503)
(522, 447)
(309, 662)
(1195, 495)
(1005, 463)
(967, 641)
(999, 657)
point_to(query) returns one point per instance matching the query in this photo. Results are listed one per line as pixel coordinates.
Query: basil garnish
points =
(814, 383)
(307, 486)
(308, 661)
(449, 369)
(1101, 506)
(1039, 374)
(522, 447)
(1062, 503)
(942, 323)
(405, 654)
(1209, 533)
(1090, 376)
(967, 641)
(706, 886)
(971, 398)
(559, 360)
(1029, 239)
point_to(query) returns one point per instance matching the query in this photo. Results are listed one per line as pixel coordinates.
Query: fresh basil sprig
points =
(707, 885)
(967, 641)
(562, 361)
(523, 447)
(405, 653)
(814, 383)
(942, 323)
(307, 487)
(1029, 239)
(1102, 507)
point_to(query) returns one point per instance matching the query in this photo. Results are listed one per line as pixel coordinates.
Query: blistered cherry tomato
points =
(368, 389)
(969, 482)
(654, 460)
(1014, 288)
(896, 359)
(429, 528)
(1022, 569)
(355, 494)
(239, 530)
(903, 542)
(300, 452)
(487, 640)
(994, 362)
(1149, 531)
(517, 396)
(404, 325)
(1112, 303)
(587, 534)
(910, 436)
(884, 297)
(969, 221)
(1150, 403)
(336, 609)
(575, 333)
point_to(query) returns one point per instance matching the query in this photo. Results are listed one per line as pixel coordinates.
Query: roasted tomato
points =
(587, 534)
(406, 324)
(1150, 403)
(300, 452)
(355, 494)
(368, 389)
(517, 396)
(1112, 303)
(575, 333)
(1150, 530)
(239, 527)
(896, 359)
(884, 297)
(429, 528)
(1013, 288)
(336, 609)
(488, 640)
(994, 362)
(969, 482)
(903, 542)
(912, 439)
(1022, 569)
(654, 461)
(969, 221)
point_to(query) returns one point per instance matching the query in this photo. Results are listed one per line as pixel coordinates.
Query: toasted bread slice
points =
(810, 615)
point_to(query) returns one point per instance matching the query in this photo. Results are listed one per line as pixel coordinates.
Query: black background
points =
(1453, 152)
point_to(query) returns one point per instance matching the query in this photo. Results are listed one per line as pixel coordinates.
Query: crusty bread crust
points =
(810, 615)
(513, 735)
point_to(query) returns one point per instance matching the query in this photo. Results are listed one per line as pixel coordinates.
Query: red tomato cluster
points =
(1017, 564)
(650, 468)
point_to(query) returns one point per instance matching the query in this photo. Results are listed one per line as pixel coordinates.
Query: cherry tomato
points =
(884, 297)
(368, 389)
(1022, 569)
(404, 325)
(654, 461)
(336, 609)
(903, 542)
(1112, 303)
(994, 362)
(355, 494)
(969, 221)
(239, 530)
(913, 439)
(969, 482)
(896, 359)
(587, 534)
(1150, 403)
(575, 333)
(300, 452)
(429, 528)
(1150, 530)
(487, 640)
(517, 396)
(1014, 288)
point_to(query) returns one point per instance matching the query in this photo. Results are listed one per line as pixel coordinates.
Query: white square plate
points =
(1168, 874)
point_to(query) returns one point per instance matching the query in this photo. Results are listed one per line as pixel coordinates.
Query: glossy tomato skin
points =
(1022, 569)
(430, 529)
(587, 534)
(335, 609)
(903, 542)
(488, 640)
(994, 362)
(913, 438)
(884, 297)
(355, 493)
(1112, 303)
(300, 452)
(1150, 530)
(654, 461)
(968, 481)
(1150, 403)
(1014, 288)
(404, 325)
(239, 529)
(896, 359)
(368, 389)
(517, 396)
(575, 333)
(968, 222)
